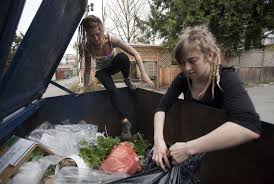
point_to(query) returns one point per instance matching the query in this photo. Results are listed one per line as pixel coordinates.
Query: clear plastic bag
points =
(37, 133)
(63, 139)
(32, 172)
(79, 175)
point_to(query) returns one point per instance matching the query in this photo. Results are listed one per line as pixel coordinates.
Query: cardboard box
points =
(14, 153)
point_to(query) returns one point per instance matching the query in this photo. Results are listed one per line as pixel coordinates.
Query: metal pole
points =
(103, 17)
(90, 7)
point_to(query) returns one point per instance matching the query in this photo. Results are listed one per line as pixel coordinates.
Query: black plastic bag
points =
(179, 174)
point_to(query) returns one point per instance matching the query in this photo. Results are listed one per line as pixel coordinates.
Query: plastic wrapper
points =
(83, 176)
(183, 173)
(122, 159)
(37, 133)
(32, 172)
(63, 139)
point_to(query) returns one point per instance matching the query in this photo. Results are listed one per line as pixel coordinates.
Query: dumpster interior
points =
(251, 162)
(23, 83)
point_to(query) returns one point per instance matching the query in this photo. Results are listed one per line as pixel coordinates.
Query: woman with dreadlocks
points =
(205, 81)
(95, 45)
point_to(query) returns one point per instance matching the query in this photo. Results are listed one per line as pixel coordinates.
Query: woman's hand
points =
(160, 153)
(179, 152)
(146, 79)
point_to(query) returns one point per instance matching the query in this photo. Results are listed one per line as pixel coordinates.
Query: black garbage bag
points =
(179, 174)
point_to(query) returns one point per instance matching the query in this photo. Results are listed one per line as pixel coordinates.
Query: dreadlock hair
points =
(89, 22)
(200, 37)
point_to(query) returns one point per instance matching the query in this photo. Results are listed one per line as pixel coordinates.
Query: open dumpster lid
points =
(10, 11)
(39, 53)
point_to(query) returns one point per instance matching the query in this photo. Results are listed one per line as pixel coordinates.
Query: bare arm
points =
(116, 42)
(227, 135)
(159, 119)
(160, 152)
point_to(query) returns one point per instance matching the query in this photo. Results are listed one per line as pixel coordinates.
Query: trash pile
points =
(84, 155)
(82, 151)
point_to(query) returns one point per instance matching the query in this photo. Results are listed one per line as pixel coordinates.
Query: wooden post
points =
(261, 66)
(158, 71)
(239, 61)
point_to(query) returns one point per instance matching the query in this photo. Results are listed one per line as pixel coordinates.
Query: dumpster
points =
(22, 107)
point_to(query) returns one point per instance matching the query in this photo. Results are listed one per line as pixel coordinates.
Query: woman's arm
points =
(243, 124)
(160, 151)
(227, 135)
(237, 103)
(116, 42)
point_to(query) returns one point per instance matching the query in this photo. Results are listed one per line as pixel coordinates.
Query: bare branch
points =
(123, 14)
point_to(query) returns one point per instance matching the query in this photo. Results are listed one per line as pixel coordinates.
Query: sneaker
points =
(129, 84)
(126, 134)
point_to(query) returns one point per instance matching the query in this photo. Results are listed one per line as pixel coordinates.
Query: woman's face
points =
(195, 64)
(95, 35)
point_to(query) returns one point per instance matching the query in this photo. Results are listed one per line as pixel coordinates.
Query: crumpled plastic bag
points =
(122, 159)
(32, 172)
(38, 132)
(63, 139)
(183, 173)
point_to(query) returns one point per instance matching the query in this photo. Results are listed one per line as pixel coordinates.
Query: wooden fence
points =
(167, 74)
(254, 66)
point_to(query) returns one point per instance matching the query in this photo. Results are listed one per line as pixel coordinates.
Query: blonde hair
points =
(89, 22)
(200, 37)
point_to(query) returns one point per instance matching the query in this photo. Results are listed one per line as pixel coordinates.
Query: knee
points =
(99, 75)
(123, 58)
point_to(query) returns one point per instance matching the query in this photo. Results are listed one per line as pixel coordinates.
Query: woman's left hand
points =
(146, 79)
(179, 152)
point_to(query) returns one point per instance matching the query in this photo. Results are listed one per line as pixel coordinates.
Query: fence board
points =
(167, 74)
(267, 74)
(249, 75)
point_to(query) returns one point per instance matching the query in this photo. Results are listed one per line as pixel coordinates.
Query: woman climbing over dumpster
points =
(95, 45)
(204, 80)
